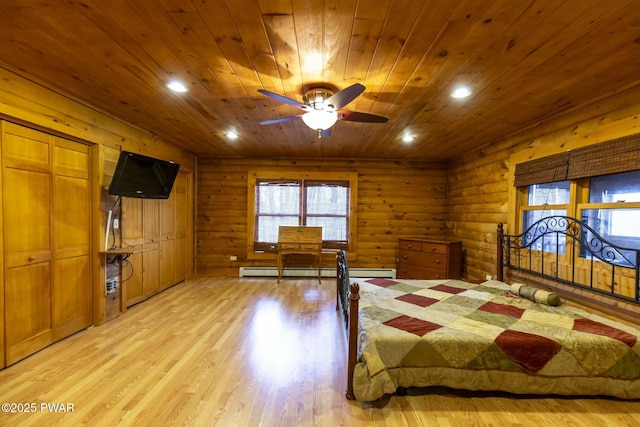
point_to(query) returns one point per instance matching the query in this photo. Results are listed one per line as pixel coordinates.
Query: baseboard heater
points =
(387, 273)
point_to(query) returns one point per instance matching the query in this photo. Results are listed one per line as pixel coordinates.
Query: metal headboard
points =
(556, 233)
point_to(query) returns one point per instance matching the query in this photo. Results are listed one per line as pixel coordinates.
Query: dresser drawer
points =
(434, 260)
(412, 271)
(410, 245)
(435, 248)
(429, 258)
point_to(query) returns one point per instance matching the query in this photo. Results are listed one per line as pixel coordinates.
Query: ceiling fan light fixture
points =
(320, 120)
(461, 92)
(176, 86)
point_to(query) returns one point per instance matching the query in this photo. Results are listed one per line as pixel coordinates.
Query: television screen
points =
(143, 177)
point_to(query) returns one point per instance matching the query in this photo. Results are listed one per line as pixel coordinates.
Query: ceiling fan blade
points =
(325, 133)
(354, 116)
(280, 120)
(282, 98)
(345, 96)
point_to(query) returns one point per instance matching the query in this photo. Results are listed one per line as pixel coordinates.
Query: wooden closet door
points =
(151, 259)
(167, 241)
(72, 303)
(26, 191)
(182, 209)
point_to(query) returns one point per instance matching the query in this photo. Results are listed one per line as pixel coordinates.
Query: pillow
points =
(536, 295)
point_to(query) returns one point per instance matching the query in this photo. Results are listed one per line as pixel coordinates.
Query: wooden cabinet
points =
(429, 258)
(46, 240)
(160, 227)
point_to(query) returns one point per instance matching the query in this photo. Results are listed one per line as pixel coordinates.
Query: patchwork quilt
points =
(482, 337)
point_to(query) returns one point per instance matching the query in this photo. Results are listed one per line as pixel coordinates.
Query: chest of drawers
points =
(429, 258)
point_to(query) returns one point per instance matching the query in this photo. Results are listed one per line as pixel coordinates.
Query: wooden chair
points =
(299, 240)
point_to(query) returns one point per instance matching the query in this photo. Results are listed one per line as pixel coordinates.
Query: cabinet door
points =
(151, 259)
(72, 305)
(168, 217)
(132, 232)
(167, 263)
(167, 241)
(151, 223)
(132, 279)
(151, 271)
(182, 212)
(26, 191)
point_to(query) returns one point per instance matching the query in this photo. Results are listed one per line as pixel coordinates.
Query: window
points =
(613, 206)
(609, 204)
(312, 199)
(314, 203)
(543, 200)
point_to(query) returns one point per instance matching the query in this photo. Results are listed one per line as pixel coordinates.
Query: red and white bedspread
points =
(481, 337)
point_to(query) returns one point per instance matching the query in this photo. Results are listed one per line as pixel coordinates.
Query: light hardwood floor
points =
(248, 352)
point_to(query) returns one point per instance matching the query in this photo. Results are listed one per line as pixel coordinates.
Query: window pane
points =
(613, 226)
(268, 227)
(552, 193)
(615, 188)
(283, 199)
(327, 199)
(333, 228)
(547, 242)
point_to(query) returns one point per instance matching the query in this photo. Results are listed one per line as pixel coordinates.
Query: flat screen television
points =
(143, 177)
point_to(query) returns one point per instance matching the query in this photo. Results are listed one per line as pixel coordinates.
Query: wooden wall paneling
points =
(30, 103)
(110, 305)
(72, 293)
(395, 199)
(481, 191)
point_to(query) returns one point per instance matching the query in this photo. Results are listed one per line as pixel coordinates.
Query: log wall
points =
(480, 183)
(31, 104)
(395, 199)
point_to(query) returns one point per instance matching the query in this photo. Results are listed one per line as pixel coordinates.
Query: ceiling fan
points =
(323, 108)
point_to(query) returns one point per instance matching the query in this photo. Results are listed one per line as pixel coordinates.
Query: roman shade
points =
(547, 169)
(613, 156)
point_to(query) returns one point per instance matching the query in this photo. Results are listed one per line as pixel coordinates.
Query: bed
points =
(493, 335)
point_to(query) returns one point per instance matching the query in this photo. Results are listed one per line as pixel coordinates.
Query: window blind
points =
(614, 156)
(539, 171)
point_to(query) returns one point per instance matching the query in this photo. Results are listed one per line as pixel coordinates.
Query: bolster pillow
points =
(536, 295)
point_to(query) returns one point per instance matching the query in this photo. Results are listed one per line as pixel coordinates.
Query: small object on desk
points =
(299, 240)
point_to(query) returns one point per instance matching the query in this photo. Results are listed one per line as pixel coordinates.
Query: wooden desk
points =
(299, 240)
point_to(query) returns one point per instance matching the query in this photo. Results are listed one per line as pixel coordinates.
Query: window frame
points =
(256, 176)
(579, 190)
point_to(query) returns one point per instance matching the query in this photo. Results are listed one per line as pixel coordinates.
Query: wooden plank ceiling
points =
(524, 61)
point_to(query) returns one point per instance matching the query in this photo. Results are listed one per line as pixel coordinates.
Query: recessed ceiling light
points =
(177, 86)
(408, 138)
(461, 92)
(232, 135)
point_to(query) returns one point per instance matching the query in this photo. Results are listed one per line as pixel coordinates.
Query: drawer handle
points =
(410, 245)
(437, 276)
(405, 256)
(433, 249)
(437, 261)
(32, 258)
